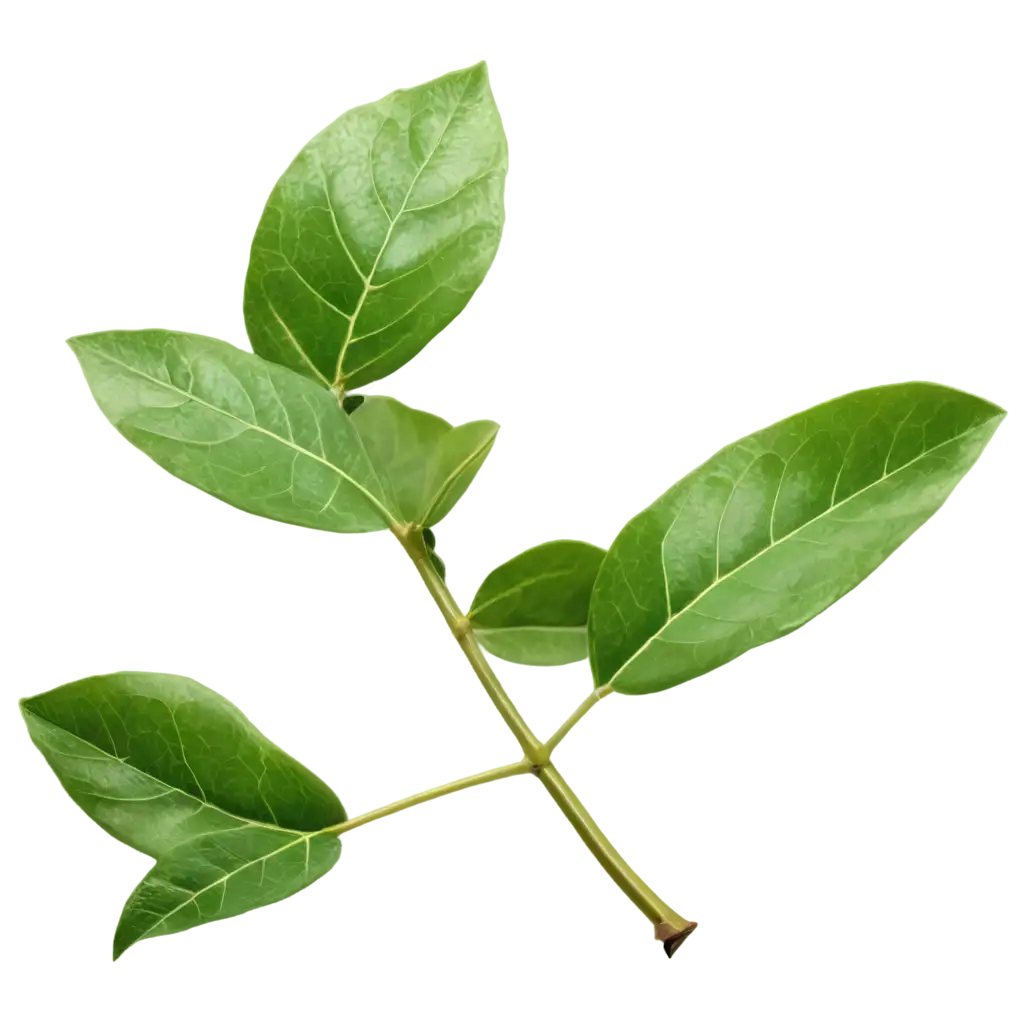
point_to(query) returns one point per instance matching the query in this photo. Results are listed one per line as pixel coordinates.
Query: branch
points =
(670, 938)
(458, 626)
(371, 814)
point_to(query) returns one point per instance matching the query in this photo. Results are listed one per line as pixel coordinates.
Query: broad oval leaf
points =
(533, 609)
(253, 434)
(211, 877)
(158, 760)
(379, 232)
(424, 463)
(776, 527)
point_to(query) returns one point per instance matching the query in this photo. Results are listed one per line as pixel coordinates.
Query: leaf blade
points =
(211, 878)
(251, 433)
(424, 463)
(157, 759)
(532, 609)
(700, 576)
(379, 232)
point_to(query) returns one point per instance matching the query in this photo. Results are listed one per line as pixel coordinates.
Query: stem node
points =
(670, 927)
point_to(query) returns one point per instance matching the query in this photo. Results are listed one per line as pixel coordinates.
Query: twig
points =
(373, 813)
(536, 755)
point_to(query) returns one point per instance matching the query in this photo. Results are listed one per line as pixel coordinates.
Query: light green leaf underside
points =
(776, 527)
(251, 433)
(424, 463)
(543, 671)
(212, 877)
(379, 232)
(532, 609)
(536, 645)
(157, 760)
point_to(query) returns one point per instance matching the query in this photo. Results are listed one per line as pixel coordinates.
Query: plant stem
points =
(670, 928)
(506, 771)
(563, 729)
(413, 543)
(667, 923)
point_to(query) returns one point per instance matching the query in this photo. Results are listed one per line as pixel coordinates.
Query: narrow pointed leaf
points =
(533, 609)
(253, 434)
(424, 463)
(379, 232)
(776, 527)
(211, 877)
(159, 759)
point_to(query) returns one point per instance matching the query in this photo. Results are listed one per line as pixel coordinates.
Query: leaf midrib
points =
(529, 582)
(224, 879)
(478, 453)
(388, 519)
(339, 370)
(775, 543)
(153, 778)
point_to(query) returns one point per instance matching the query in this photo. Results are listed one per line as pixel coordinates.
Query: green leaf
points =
(158, 760)
(537, 653)
(533, 609)
(775, 528)
(212, 877)
(379, 232)
(253, 434)
(424, 463)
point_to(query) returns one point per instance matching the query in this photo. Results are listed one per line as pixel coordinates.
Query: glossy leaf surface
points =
(424, 463)
(253, 434)
(533, 609)
(158, 760)
(776, 527)
(379, 232)
(212, 877)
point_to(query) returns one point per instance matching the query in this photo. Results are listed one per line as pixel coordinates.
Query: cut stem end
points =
(671, 937)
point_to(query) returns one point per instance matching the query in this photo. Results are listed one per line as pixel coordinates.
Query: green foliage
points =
(375, 237)
(253, 434)
(210, 877)
(533, 608)
(775, 528)
(158, 759)
(379, 232)
(424, 463)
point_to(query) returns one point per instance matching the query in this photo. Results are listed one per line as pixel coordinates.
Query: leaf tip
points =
(671, 937)
(22, 709)
(75, 340)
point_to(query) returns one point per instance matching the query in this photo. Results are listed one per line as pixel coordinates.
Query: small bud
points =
(437, 562)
